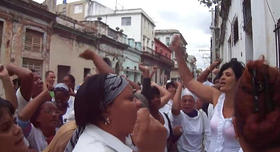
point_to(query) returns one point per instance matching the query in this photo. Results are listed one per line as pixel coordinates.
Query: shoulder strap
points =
(169, 125)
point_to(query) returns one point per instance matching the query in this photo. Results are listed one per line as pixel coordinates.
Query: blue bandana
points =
(114, 85)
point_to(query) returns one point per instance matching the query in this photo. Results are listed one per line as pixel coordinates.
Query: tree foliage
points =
(209, 3)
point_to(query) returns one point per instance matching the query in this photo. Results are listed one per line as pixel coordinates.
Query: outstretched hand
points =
(87, 54)
(215, 64)
(177, 45)
(149, 135)
(145, 70)
(3, 72)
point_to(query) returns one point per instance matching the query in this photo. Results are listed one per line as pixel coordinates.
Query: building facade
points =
(162, 49)
(166, 36)
(135, 23)
(77, 10)
(35, 38)
(246, 29)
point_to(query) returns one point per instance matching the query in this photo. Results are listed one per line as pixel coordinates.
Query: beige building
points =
(76, 10)
(35, 38)
(25, 35)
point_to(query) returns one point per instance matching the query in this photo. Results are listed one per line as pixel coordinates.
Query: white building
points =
(244, 29)
(135, 23)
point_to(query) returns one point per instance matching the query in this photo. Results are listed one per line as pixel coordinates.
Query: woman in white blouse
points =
(222, 131)
(193, 122)
(107, 110)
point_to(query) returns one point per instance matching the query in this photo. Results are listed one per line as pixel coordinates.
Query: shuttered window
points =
(33, 41)
(36, 65)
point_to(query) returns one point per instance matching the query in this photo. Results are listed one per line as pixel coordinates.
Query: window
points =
(126, 21)
(33, 41)
(62, 70)
(235, 31)
(78, 9)
(247, 17)
(36, 65)
(167, 41)
(1, 33)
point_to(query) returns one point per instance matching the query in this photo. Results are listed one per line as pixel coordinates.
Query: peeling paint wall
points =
(13, 38)
(15, 25)
(65, 51)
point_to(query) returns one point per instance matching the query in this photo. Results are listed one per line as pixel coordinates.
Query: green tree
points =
(209, 3)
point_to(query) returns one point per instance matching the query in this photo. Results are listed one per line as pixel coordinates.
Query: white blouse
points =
(195, 131)
(95, 139)
(222, 131)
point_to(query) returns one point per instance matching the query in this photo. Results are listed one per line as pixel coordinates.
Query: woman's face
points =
(227, 80)
(11, 136)
(48, 116)
(188, 103)
(61, 100)
(123, 111)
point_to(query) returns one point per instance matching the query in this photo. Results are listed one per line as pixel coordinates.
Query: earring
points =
(107, 121)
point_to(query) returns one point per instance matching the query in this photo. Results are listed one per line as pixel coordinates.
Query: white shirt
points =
(94, 139)
(167, 107)
(69, 114)
(222, 131)
(194, 131)
(21, 101)
(34, 135)
(210, 111)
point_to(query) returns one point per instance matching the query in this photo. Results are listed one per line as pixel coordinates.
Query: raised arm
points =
(100, 64)
(204, 74)
(26, 79)
(165, 95)
(8, 87)
(26, 113)
(146, 84)
(203, 92)
(176, 100)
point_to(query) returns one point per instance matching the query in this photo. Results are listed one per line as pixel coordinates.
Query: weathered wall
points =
(65, 51)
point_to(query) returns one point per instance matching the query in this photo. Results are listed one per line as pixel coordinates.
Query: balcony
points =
(159, 58)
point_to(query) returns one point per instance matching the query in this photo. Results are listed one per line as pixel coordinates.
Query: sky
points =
(187, 16)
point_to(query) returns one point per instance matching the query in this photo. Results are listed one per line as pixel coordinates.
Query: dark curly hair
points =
(235, 65)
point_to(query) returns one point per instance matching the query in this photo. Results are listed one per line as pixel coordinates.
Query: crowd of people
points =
(238, 111)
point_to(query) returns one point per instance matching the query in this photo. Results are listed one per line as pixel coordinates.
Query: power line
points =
(270, 12)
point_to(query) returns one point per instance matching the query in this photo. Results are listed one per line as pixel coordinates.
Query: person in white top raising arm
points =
(221, 122)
